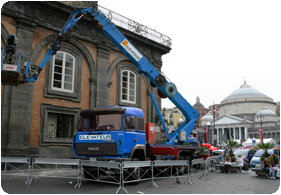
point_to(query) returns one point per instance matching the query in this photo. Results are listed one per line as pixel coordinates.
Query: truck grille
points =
(96, 149)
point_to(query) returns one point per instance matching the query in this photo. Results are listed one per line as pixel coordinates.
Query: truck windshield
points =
(94, 122)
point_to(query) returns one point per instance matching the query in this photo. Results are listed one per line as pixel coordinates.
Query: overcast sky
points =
(215, 44)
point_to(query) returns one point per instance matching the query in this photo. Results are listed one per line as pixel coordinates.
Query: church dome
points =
(198, 104)
(245, 92)
(265, 112)
(207, 117)
(266, 115)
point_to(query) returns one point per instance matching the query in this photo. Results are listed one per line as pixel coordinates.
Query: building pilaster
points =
(21, 98)
(102, 69)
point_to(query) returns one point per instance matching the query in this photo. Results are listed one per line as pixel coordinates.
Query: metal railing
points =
(197, 168)
(11, 164)
(135, 171)
(101, 171)
(112, 172)
(135, 27)
(56, 168)
(210, 165)
(169, 169)
(213, 161)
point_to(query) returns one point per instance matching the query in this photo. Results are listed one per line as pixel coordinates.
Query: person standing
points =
(239, 160)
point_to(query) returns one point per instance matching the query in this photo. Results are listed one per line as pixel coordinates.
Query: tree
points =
(265, 147)
(230, 144)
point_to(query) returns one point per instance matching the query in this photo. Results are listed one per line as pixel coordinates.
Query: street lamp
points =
(171, 120)
(207, 129)
(164, 111)
(214, 117)
(279, 138)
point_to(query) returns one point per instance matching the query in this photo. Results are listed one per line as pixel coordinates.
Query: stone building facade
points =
(39, 119)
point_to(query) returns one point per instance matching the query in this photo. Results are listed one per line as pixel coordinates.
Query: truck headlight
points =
(176, 141)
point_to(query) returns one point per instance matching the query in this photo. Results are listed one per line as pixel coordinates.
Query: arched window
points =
(63, 72)
(128, 86)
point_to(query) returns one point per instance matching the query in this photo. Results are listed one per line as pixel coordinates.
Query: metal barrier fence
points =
(197, 167)
(56, 168)
(169, 169)
(220, 157)
(135, 171)
(10, 163)
(101, 171)
(113, 172)
(213, 161)
(210, 165)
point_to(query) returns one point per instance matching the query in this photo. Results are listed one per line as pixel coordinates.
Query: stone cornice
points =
(79, 3)
(243, 102)
(24, 24)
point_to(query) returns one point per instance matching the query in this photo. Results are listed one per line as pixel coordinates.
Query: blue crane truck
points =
(120, 133)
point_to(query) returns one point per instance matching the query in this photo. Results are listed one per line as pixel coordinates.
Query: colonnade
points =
(229, 133)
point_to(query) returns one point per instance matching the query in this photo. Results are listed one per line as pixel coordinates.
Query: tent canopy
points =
(249, 142)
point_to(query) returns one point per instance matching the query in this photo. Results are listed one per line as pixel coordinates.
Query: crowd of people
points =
(243, 163)
(270, 164)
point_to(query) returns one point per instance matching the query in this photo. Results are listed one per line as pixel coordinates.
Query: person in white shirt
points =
(239, 160)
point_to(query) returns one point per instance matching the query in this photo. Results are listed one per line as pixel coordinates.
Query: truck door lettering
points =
(95, 137)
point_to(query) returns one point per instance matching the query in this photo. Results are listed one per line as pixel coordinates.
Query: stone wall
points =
(79, 3)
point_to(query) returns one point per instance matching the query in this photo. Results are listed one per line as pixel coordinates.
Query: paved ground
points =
(234, 183)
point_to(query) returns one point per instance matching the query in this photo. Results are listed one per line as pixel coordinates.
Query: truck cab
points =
(111, 133)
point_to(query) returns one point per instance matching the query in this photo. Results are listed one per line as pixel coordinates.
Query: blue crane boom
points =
(142, 64)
